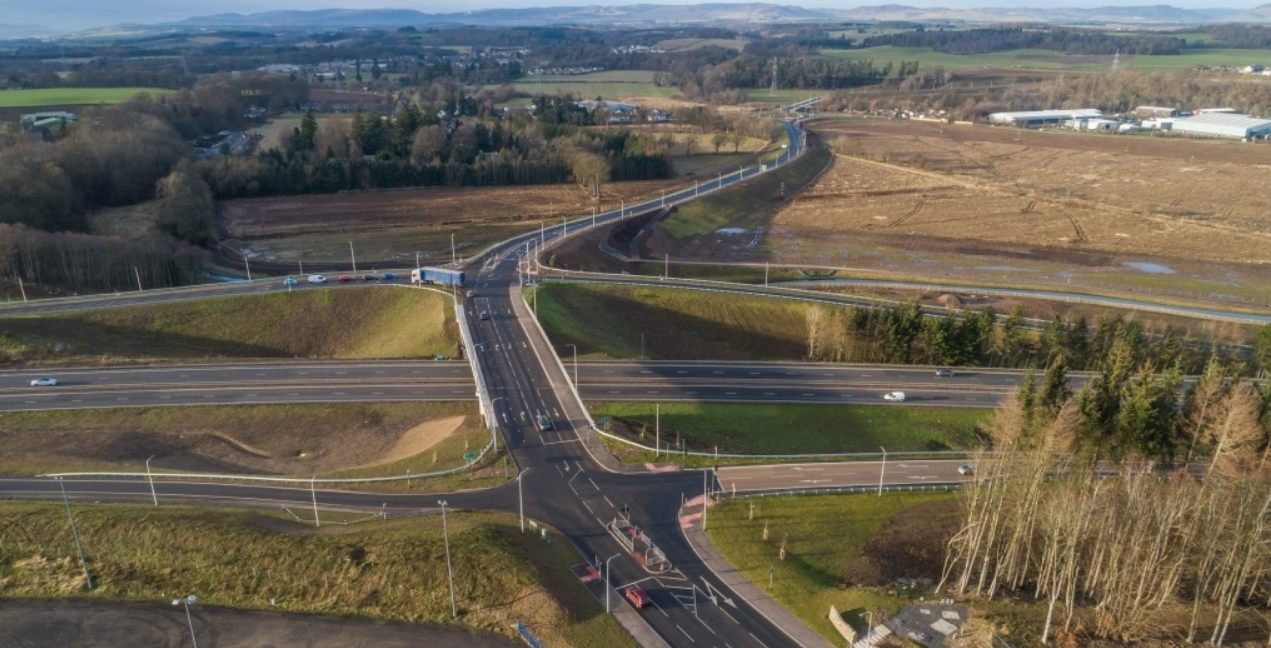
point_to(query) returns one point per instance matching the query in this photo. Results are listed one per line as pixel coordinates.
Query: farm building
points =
(1039, 118)
(1155, 111)
(1235, 126)
(1101, 125)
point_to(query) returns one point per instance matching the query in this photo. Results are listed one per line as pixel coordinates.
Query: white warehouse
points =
(1039, 118)
(1235, 126)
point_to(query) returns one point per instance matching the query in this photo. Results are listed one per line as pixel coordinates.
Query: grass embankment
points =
(752, 428)
(608, 321)
(841, 550)
(72, 96)
(367, 323)
(330, 440)
(755, 197)
(394, 570)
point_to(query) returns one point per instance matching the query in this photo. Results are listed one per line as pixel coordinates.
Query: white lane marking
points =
(752, 636)
(690, 638)
(588, 507)
(608, 502)
(593, 483)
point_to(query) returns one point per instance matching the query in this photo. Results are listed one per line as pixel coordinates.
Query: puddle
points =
(1150, 268)
(731, 230)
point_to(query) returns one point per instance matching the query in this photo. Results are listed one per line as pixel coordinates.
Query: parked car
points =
(966, 469)
(944, 373)
(319, 279)
(371, 277)
(638, 597)
(895, 397)
(484, 315)
(289, 281)
(544, 423)
(468, 294)
(388, 276)
(44, 382)
(345, 278)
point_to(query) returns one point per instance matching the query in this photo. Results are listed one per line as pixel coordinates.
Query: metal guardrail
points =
(527, 636)
(722, 455)
(916, 488)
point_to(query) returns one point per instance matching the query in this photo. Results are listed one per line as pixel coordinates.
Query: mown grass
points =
(753, 428)
(753, 196)
(367, 323)
(391, 570)
(71, 96)
(823, 535)
(608, 322)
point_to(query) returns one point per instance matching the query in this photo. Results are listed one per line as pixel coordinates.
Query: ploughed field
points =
(919, 182)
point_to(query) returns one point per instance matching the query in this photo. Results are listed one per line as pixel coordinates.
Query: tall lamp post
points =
(575, 364)
(608, 578)
(882, 469)
(187, 602)
(445, 530)
(88, 581)
(150, 478)
(521, 497)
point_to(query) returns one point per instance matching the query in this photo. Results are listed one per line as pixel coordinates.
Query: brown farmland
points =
(917, 183)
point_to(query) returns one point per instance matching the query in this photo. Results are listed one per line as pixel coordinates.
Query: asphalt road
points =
(219, 384)
(897, 472)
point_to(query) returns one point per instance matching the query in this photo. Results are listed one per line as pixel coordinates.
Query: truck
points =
(439, 276)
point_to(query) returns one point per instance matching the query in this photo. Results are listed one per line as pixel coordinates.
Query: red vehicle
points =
(345, 278)
(637, 597)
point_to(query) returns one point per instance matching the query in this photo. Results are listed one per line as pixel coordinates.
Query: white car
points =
(317, 278)
(895, 397)
(966, 469)
(44, 382)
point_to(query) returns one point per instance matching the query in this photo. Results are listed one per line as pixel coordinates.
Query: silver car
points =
(44, 382)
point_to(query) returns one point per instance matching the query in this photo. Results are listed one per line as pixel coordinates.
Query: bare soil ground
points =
(1165, 197)
(264, 440)
(910, 545)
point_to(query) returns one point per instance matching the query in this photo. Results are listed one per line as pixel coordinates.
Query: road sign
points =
(469, 456)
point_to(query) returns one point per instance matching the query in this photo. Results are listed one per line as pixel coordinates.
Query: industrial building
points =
(1155, 111)
(1235, 126)
(1039, 118)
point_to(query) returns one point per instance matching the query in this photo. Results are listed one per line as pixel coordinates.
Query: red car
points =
(345, 278)
(637, 597)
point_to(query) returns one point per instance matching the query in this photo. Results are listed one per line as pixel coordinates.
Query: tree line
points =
(96, 262)
(996, 39)
(1121, 546)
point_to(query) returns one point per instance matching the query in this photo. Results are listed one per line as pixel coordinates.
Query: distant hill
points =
(724, 14)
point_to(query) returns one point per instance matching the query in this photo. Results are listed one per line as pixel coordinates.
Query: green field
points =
(755, 198)
(749, 428)
(824, 537)
(391, 570)
(928, 58)
(687, 44)
(1047, 60)
(612, 84)
(607, 322)
(71, 96)
(366, 323)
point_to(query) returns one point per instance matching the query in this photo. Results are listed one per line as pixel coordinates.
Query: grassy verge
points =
(349, 324)
(826, 539)
(393, 570)
(718, 210)
(608, 321)
(796, 429)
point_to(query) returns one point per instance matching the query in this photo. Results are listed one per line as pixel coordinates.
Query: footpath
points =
(777, 614)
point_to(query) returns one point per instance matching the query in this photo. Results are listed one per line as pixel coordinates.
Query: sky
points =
(82, 14)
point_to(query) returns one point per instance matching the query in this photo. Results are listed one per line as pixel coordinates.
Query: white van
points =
(895, 397)
(317, 279)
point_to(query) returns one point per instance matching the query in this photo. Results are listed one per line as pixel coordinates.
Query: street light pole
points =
(575, 364)
(608, 578)
(521, 496)
(88, 581)
(657, 430)
(452, 249)
(881, 470)
(352, 257)
(150, 478)
(622, 210)
(445, 530)
(317, 524)
(187, 602)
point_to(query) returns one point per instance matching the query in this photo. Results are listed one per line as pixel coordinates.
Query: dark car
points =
(544, 423)
(388, 276)
(371, 277)
(944, 373)
(484, 315)
(345, 278)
